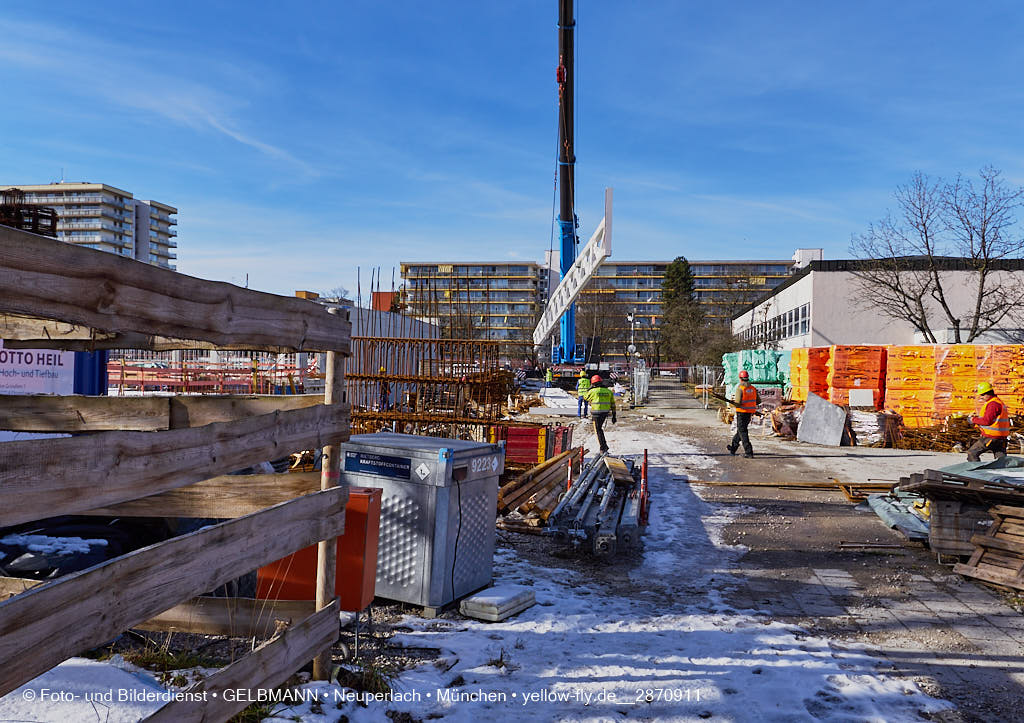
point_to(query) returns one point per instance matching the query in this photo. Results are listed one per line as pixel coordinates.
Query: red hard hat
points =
(744, 374)
(596, 379)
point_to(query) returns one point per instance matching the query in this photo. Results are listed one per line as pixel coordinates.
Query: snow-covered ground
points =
(588, 653)
(654, 643)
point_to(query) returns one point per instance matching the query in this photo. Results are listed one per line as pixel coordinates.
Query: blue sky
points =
(301, 141)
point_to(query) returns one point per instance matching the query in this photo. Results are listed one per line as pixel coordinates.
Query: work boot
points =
(748, 454)
(732, 450)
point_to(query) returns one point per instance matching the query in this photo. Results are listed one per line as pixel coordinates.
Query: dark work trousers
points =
(599, 419)
(995, 445)
(742, 422)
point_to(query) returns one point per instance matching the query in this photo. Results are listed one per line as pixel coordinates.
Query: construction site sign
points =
(36, 371)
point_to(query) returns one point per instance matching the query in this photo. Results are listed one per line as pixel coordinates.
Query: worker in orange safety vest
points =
(994, 423)
(746, 398)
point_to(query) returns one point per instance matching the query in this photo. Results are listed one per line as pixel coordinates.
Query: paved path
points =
(960, 640)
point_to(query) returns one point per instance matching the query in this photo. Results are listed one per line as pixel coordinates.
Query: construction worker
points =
(549, 376)
(582, 387)
(385, 393)
(602, 403)
(994, 423)
(746, 398)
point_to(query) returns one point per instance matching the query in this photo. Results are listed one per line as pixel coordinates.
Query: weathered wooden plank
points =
(11, 586)
(265, 667)
(139, 341)
(198, 411)
(236, 616)
(1010, 528)
(45, 278)
(330, 476)
(1007, 511)
(47, 413)
(44, 478)
(997, 543)
(998, 559)
(990, 573)
(620, 473)
(52, 622)
(17, 328)
(222, 497)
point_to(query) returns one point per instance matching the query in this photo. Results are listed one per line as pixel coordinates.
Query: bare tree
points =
(938, 228)
(891, 279)
(981, 222)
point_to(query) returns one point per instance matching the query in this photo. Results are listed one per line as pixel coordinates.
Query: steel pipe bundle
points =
(598, 514)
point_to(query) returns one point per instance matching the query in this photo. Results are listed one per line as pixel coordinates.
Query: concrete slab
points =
(821, 422)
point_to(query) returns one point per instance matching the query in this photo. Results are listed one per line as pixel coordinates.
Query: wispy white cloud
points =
(127, 77)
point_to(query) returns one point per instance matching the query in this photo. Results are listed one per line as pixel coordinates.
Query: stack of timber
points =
(999, 555)
(943, 484)
(959, 504)
(527, 501)
(601, 513)
(168, 456)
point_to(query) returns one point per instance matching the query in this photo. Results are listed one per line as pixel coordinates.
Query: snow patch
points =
(46, 545)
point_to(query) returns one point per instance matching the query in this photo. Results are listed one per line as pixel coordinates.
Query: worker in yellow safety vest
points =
(746, 399)
(994, 423)
(602, 404)
(582, 387)
(548, 377)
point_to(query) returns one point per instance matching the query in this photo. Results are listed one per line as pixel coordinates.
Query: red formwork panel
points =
(294, 577)
(523, 444)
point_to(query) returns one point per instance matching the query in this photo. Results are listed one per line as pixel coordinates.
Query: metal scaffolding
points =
(439, 387)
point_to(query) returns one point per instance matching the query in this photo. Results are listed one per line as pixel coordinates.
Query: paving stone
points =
(982, 632)
(1007, 622)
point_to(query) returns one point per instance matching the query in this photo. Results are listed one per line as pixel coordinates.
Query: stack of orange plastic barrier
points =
(856, 367)
(808, 372)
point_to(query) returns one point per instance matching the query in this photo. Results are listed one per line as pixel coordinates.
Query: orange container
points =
(294, 577)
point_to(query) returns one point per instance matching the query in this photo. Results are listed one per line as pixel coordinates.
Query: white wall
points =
(790, 298)
(842, 314)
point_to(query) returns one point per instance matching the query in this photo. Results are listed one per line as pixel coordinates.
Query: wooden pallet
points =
(999, 556)
(947, 484)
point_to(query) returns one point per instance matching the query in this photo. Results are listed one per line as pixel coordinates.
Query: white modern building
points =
(825, 303)
(109, 219)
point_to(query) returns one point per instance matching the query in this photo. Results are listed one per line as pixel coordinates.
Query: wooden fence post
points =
(327, 550)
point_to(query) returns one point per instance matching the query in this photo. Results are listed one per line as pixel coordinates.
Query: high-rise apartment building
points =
(103, 217)
(479, 300)
(620, 304)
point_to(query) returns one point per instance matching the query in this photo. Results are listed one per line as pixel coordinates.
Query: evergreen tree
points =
(677, 287)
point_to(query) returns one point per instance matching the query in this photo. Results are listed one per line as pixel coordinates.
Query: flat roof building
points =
(103, 217)
(826, 303)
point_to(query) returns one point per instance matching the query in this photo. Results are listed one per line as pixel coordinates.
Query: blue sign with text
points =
(378, 464)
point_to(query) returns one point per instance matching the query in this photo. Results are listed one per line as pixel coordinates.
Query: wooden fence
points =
(167, 456)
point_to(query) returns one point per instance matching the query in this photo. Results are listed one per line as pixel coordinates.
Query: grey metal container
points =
(439, 501)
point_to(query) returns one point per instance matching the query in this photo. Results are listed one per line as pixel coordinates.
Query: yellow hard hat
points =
(583, 372)
(984, 388)
(382, 370)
